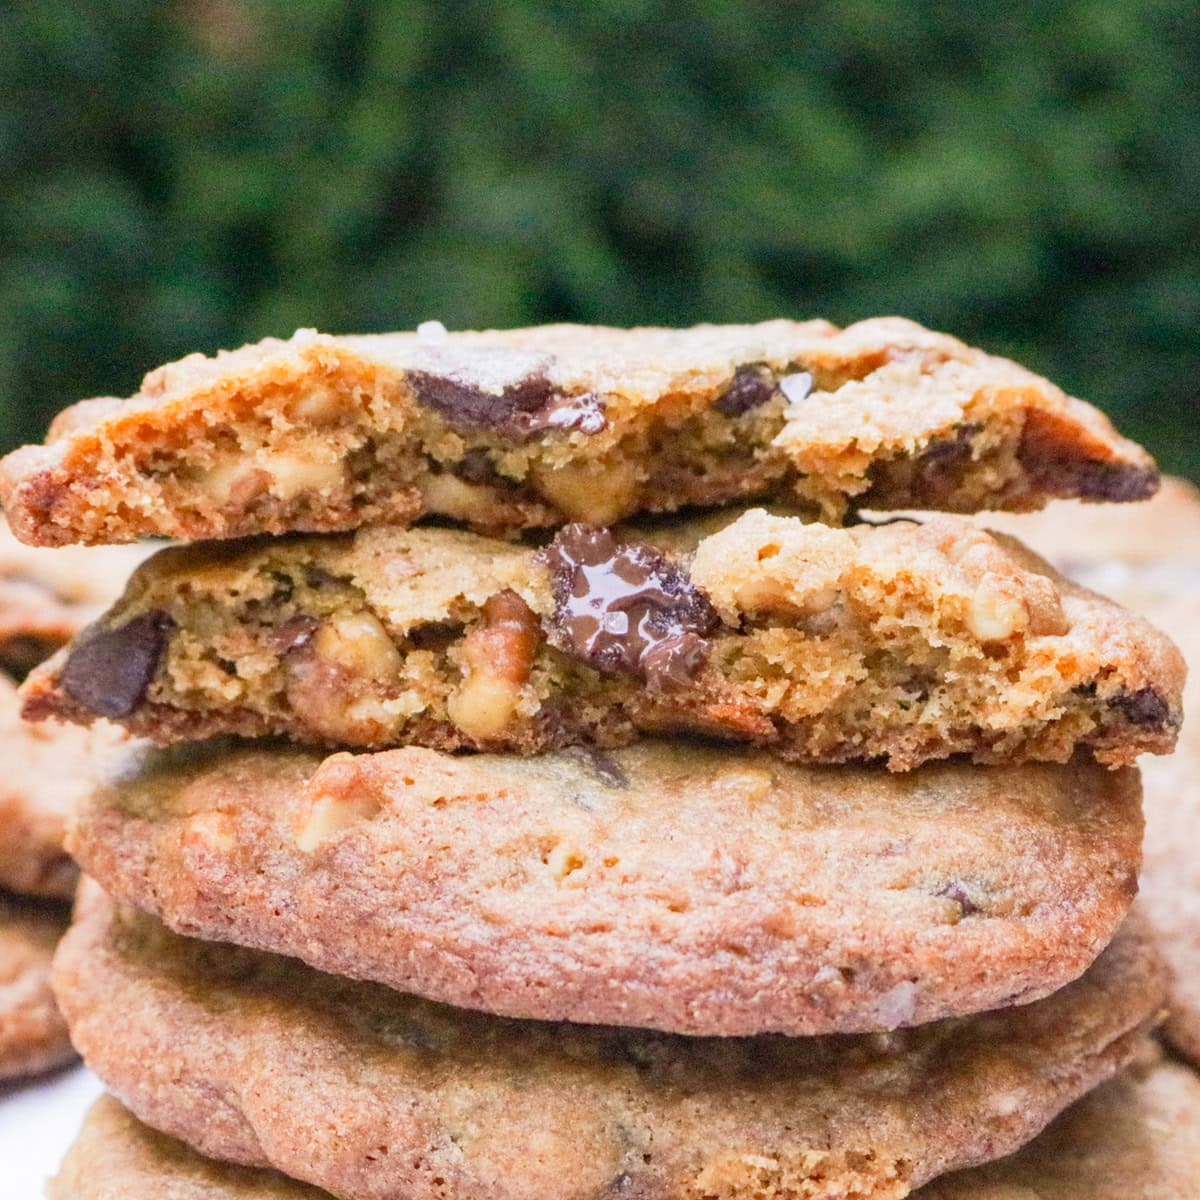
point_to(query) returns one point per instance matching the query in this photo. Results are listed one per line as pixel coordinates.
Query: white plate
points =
(38, 1121)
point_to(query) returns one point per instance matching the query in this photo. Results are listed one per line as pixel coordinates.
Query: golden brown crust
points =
(671, 886)
(321, 433)
(907, 643)
(33, 1034)
(371, 1094)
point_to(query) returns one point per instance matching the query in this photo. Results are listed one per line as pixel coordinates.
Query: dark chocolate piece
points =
(1144, 707)
(948, 452)
(109, 671)
(521, 411)
(625, 608)
(753, 384)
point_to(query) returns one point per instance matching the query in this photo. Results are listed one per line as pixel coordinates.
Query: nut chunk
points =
(497, 659)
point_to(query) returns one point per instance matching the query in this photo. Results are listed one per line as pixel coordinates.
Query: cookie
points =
(47, 597)
(369, 1093)
(47, 770)
(908, 642)
(116, 1157)
(668, 885)
(1136, 1138)
(535, 427)
(1149, 557)
(33, 1035)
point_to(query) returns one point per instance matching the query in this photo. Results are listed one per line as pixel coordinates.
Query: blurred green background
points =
(188, 175)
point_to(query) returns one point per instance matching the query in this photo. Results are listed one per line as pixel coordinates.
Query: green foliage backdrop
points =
(187, 175)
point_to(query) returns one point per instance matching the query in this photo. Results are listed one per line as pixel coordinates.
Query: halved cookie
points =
(907, 642)
(531, 427)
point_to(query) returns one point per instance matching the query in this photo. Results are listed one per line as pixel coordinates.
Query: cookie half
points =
(668, 885)
(369, 1093)
(1137, 1136)
(908, 642)
(1148, 556)
(33, 1035)
(533, 427)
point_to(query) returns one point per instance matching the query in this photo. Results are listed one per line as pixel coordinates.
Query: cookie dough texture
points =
(1148, 556)
(44, 771)
(529, 427)
(1135, 1138)
(46, 597)
(33, 1035)
(370, 1094)
(908, 642)
(668, 885)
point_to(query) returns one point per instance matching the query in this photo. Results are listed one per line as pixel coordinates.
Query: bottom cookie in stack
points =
(367, 1092)
(1135, 1138)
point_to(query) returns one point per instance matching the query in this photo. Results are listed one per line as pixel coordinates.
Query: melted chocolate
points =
(626, 609)
(520, 412)
(109, 671)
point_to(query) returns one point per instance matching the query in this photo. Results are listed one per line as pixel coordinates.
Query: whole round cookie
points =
(668, 885)
(1148, 557)
(33, 1034)
(1137, 1136)
(369, 1093)
(48, 768)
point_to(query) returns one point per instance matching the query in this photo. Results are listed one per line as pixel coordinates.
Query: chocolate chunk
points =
(753, 384)
(108, 671)
(626, 609)
(521, 411)
(943, 453)
(294, 633)
(1145, 707)
(1115, 482)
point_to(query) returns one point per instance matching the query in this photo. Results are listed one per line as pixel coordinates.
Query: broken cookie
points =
(534, 427)
(906, 642)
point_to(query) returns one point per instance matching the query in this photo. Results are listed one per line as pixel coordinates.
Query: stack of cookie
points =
(742, 853)
(45, 598)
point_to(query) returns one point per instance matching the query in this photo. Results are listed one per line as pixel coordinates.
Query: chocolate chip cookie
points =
(47, 597)
(1135, 1137)
(535, 427)
(909, 642)
(369, 1093)
(46, 770)
(1149, 557)
(668, 885)
(33, 1035)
